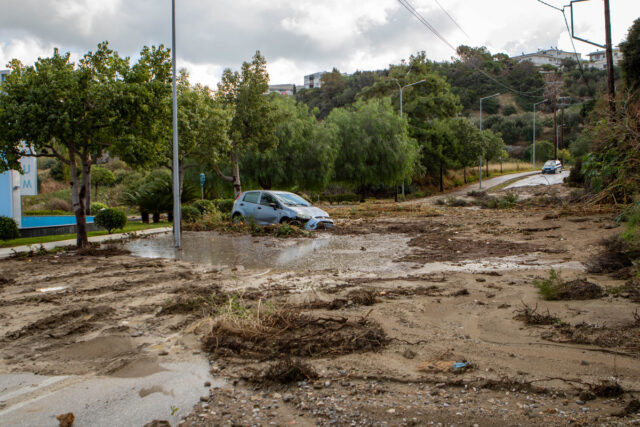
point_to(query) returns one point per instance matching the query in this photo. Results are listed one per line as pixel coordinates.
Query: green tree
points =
(101, 176)
(544, 151)
(75, 113)
(630, 64)
(305, 154)
(375, 147)
(492, 147)
(253, 123)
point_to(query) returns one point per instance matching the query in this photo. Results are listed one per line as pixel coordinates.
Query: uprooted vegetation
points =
(483, 200)
(267, 333)
(624, 337)
(286, 371)
(617, 257)
(555, 288)
(216, 222)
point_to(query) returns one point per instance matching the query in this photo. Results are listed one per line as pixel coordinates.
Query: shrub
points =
(224, 205)
(97, 206)
(111, 219)
(509, 110)
(576, 178)
(190, 213)
(44, 212)
(56, 171)
(56, 204)
(204, 206)
(8, 228)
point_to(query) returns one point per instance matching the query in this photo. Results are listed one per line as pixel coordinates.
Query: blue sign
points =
(203, 178)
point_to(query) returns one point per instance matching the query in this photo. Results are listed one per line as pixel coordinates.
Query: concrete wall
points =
(10, 196)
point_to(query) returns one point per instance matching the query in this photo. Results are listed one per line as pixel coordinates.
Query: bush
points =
(224, 205)
(8, 228)
(509, 110)
(190, 213)
(97, 206)
(576, 177)
(111, 219)
(56, 204)
(204, 206)
(56, 171)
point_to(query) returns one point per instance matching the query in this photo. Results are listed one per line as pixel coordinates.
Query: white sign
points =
(29, 181)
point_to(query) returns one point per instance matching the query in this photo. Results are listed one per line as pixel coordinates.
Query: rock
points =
(391, 411)
(409, 354)
(66, 420)
(327, 383)
(207, 383)
(157, 423)
(163, 353)
(579, 402)
(204, 398)
(287, 397)
(587, 395)
(480, 279)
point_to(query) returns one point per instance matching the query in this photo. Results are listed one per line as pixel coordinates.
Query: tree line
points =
(78, 113)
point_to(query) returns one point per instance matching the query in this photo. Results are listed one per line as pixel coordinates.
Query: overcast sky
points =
(297, 37)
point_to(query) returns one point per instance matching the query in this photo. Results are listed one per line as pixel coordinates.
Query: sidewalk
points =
(7, 252)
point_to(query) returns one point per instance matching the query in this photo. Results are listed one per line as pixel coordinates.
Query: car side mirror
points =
(274, 205)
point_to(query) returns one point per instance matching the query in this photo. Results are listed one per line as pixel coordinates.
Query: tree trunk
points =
(156, 217)
(77, 200)
(237, 186)
(500, 166)
(145, 217)
(441, 178)
(396, 195)
(87, 200)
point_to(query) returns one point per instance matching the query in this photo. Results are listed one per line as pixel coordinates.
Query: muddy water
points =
(371, 252)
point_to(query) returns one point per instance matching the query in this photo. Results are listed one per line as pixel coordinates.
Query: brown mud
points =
(336, 346)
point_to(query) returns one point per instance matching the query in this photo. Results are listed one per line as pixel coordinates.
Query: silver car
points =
(276, 207)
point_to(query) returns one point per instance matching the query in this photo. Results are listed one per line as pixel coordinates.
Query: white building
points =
(3, 75)
(313, 80)
(552, 56)
(598, 59)
(285, 89)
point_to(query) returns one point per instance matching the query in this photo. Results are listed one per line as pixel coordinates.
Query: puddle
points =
(366, 252)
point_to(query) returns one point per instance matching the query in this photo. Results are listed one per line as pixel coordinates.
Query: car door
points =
(265, 212)
(249, 203)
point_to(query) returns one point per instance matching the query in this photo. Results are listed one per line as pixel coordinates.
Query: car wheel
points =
(237, 218)
(290, 221)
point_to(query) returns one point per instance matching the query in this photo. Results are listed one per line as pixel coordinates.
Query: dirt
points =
(335, 345)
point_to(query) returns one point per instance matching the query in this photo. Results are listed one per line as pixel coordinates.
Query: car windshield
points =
(550, 163)
(290, 199)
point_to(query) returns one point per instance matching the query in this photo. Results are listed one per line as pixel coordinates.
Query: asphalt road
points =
(540, 179)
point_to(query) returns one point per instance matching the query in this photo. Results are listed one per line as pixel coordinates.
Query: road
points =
(540, 179)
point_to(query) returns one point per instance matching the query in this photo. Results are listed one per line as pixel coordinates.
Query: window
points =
(267, 199)
(251, 197)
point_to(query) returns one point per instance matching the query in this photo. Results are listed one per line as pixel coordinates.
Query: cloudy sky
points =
(297, 37)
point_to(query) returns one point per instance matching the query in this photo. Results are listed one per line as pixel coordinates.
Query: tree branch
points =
(220, 174)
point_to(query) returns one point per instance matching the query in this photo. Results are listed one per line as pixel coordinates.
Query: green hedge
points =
(224, 205)
(47, 212)
(190, 213)
(8, 228)
(111, 219)
(204, 206)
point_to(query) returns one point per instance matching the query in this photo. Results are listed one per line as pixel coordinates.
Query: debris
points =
(461, 292)
(633, 407)
(158, 423)
(288, 371)
(608, 388)
(66, 420)
(409, 354)
(444, 366)
(530, 316)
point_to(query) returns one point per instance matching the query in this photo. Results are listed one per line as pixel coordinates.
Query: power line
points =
(452, 20)
(415, 13)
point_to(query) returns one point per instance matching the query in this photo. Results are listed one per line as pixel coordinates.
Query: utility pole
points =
(401, 89)
(533, 155)
(555, 130)
(176, 171)
(609, 54)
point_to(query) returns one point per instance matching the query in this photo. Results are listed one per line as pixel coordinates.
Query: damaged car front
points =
(299, 210)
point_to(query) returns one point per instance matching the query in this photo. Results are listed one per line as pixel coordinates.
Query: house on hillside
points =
(598, 58)
(552, 56)
(313, 80)
(288, 89)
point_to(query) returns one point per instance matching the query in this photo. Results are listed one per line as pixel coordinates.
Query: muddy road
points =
(403, 315)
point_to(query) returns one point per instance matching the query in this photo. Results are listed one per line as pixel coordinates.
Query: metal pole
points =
(176, 172)
(609, 54)
(480, 173)
(533, 155)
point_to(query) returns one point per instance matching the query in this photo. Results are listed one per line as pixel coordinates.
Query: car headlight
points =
(304, 217)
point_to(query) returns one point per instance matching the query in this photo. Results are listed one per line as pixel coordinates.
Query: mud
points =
(392, 288)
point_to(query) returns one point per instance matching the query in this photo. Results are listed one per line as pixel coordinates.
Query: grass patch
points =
(26, 241)
(554, 288)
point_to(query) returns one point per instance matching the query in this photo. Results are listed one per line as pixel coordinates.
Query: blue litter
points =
(459, 365)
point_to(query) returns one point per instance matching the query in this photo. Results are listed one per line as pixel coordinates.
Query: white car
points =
(552, 166)
(276, 207)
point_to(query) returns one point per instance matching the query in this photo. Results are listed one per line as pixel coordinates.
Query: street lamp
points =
(533, 156)
(482, 99)
(176, 172)
(401, 89)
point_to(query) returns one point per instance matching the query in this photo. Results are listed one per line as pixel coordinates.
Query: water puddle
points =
(369, 252)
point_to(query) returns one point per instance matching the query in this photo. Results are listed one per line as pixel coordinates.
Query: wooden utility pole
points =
(555, 130)
(609, 55)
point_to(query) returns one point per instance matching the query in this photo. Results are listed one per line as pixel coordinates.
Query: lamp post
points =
(401, 89)
(480, 170)
(176, 172)
(533, 155)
